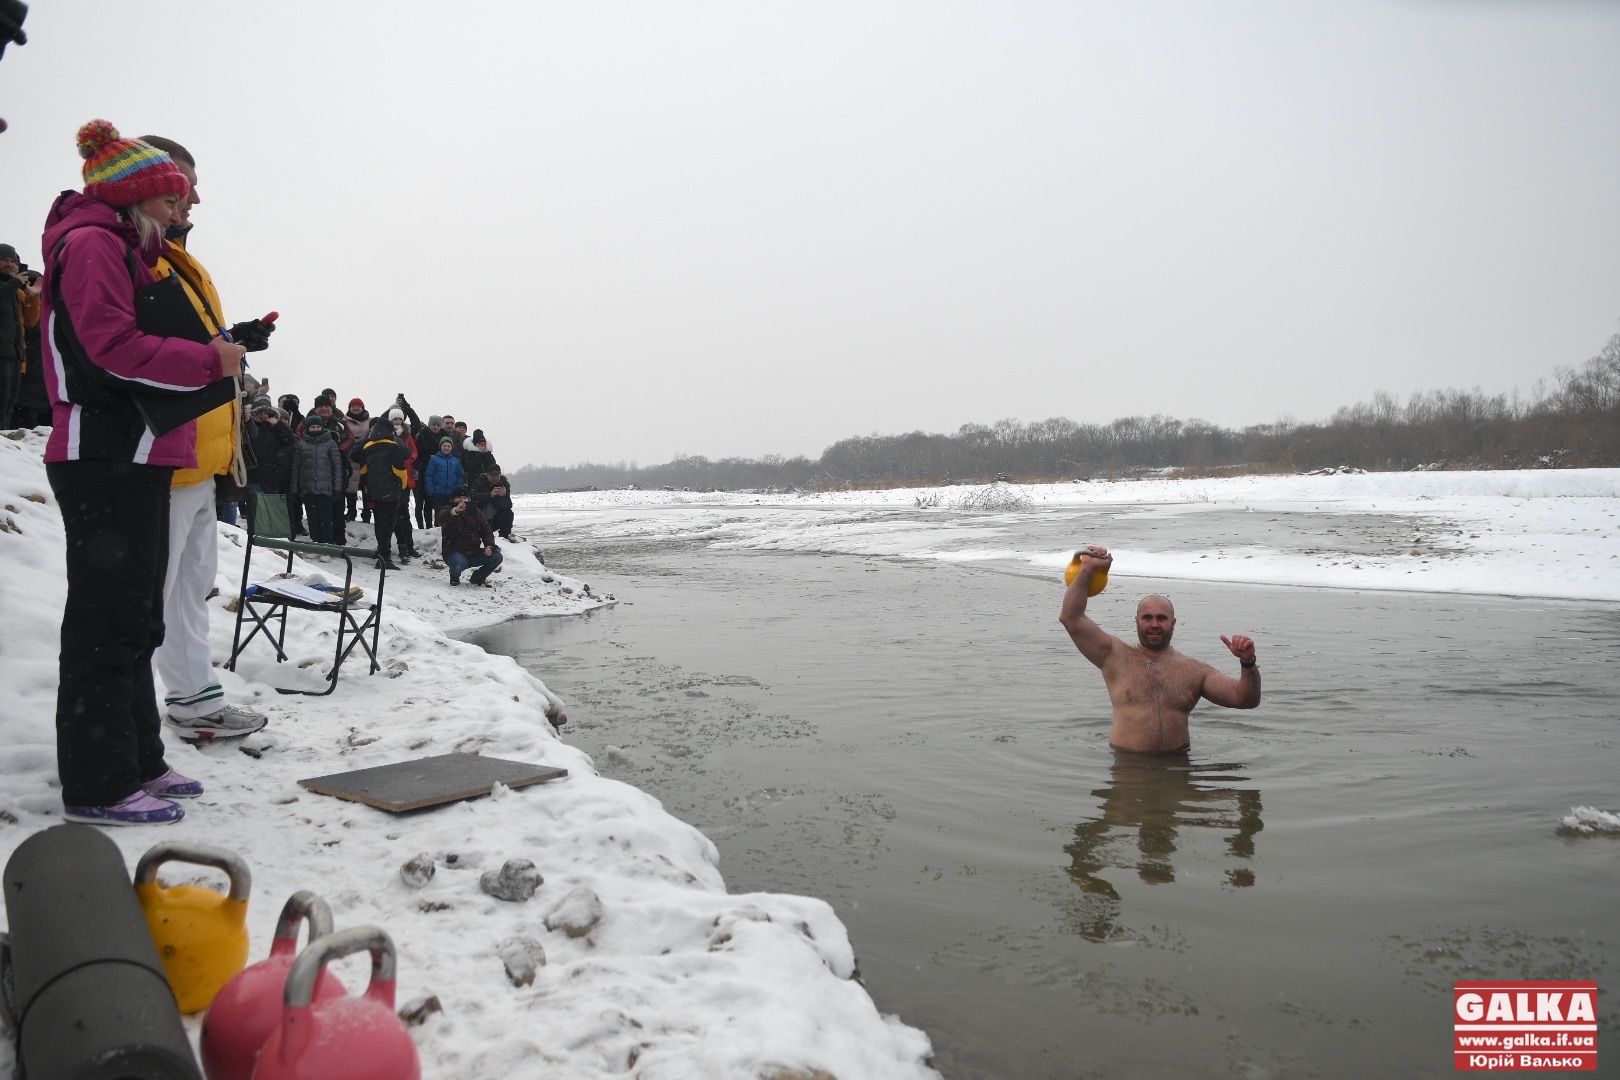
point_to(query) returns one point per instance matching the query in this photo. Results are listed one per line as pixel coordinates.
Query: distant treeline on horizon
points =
(1575, 425)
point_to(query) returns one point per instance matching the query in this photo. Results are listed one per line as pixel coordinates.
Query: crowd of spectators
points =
(393, 471)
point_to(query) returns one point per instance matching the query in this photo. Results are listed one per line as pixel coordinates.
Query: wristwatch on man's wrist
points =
(1250, 664)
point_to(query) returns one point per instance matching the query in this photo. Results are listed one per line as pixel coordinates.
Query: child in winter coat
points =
(444, 474)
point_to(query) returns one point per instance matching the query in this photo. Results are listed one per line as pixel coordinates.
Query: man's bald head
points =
(1155, 622)
(1157, 598)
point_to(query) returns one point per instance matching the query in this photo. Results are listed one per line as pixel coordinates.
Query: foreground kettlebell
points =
(245, 1013)
(1099, 580)
(341, 1038)
(201, 936)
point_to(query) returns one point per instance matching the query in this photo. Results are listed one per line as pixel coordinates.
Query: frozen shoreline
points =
(676, 978)
(1550, 534)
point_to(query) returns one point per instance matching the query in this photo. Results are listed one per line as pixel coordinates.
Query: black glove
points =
(253, 335)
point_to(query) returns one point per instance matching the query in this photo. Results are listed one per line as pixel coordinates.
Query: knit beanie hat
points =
(433, 421)
(122, 172)
(322, 399)
(9, 252)
(263, 402)
(314, 424)
(448, 441)
(458, 491)
(356, 403)
(396, 414)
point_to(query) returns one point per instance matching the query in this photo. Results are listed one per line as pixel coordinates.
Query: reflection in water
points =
(1149, 798)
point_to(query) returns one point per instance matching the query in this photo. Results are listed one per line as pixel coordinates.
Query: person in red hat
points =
(111, 472)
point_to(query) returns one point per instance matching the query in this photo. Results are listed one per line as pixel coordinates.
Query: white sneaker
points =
(231, 722)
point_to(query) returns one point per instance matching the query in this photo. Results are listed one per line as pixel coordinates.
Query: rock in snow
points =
(576, 914)
(515, 881)
(418, 872)
(523, 956)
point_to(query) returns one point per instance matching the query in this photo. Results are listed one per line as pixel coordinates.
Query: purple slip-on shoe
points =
(171, 785)
(139, 809)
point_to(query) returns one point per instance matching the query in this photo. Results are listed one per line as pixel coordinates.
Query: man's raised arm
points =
(1094, 643)
(1242, 692)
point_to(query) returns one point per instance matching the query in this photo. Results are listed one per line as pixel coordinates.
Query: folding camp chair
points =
(268, 526)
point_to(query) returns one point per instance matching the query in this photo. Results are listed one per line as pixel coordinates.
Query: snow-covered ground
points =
(676, 978)
(649, 964)
(1552, 533)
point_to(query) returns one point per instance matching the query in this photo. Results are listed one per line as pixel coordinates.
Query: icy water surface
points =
(918, 742)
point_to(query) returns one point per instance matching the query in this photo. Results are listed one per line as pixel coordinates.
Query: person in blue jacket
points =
(443, 475)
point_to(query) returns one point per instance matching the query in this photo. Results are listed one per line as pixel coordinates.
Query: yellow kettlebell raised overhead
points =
(1099, 580)
(201, 935)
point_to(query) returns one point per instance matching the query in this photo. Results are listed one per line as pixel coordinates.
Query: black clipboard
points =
(164, 310)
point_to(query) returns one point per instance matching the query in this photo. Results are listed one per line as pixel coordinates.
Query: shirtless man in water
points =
(1153, 687)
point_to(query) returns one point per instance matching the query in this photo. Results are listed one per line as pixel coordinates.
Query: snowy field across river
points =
(649, 964)
(1552, 534)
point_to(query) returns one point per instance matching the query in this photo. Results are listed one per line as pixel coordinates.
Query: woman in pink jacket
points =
(107, 349)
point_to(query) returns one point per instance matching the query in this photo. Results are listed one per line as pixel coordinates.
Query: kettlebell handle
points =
(202, 855)
(307, 968)
(300, 906)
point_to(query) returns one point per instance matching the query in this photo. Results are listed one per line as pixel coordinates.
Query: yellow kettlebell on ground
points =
(1099, 580)
(201, 935)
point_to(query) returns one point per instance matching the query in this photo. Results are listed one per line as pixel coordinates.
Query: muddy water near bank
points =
(919, 744)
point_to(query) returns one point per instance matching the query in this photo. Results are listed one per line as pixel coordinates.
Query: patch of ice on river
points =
(1589, 820)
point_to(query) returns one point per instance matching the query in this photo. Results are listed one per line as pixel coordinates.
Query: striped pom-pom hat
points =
(122, 172)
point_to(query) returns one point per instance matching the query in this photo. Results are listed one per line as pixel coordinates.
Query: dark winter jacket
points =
(482, 489)
(317, 466)
(443, 474)
(382, 467)
(465, 531)
(12, 349)
(94, 354)
(476, 462)
(273, 446)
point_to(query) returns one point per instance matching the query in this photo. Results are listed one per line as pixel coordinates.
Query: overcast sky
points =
(625, 230)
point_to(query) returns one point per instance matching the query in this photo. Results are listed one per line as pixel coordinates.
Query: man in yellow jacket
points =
(194, 700)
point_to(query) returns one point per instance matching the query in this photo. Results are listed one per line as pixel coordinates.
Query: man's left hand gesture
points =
(1240, 647)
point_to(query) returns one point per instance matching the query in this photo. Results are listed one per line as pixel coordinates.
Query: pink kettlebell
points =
(341, 1038)
(247, 1010)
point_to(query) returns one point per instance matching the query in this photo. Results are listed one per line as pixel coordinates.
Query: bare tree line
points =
(1574, 423)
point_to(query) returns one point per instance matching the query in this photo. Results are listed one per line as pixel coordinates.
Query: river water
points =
(918, 742)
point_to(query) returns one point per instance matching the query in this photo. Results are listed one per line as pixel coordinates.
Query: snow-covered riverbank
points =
(675, 978)
(1552, 533)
